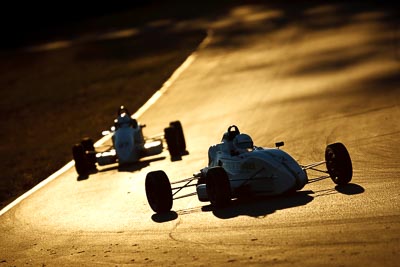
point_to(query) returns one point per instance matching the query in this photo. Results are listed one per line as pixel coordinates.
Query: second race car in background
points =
(129, 144)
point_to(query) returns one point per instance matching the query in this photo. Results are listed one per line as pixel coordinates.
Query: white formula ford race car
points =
(238, 168)
(129, 144)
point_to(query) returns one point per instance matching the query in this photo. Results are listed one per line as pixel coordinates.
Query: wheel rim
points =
(332, 166)
(338, 163)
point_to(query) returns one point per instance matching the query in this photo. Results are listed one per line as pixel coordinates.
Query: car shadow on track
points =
(164, 217)
(350, 189)
(133, 167)
(261, 206)
(347, 189)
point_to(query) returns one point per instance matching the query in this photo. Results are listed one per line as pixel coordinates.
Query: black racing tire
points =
(338, 163)
(180, 136)
(158, 191)
(79, 155)
(88, 146)
(218, 187)
(171, 136)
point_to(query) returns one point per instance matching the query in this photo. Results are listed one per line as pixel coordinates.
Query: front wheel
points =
(338, 163)
(218, 187)
(158, 191)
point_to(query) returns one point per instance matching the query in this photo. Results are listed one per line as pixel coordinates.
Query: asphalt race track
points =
(326, 76)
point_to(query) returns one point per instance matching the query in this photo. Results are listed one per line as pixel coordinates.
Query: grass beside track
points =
(50, 99)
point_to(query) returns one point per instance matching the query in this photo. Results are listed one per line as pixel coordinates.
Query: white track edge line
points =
(189, 60)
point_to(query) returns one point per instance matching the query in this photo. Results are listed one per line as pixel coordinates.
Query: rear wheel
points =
(171, 136)
(218, 187)
(81, 165)
(338, 163)
(158, 191)
(180, 136)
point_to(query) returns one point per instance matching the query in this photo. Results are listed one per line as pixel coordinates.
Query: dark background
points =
(24, 22)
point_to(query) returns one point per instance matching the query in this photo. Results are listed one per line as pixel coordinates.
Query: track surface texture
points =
(311, 75)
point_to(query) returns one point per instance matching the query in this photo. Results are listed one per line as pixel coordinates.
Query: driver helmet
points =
(230, 134)
(123, 120)
(243, 143)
